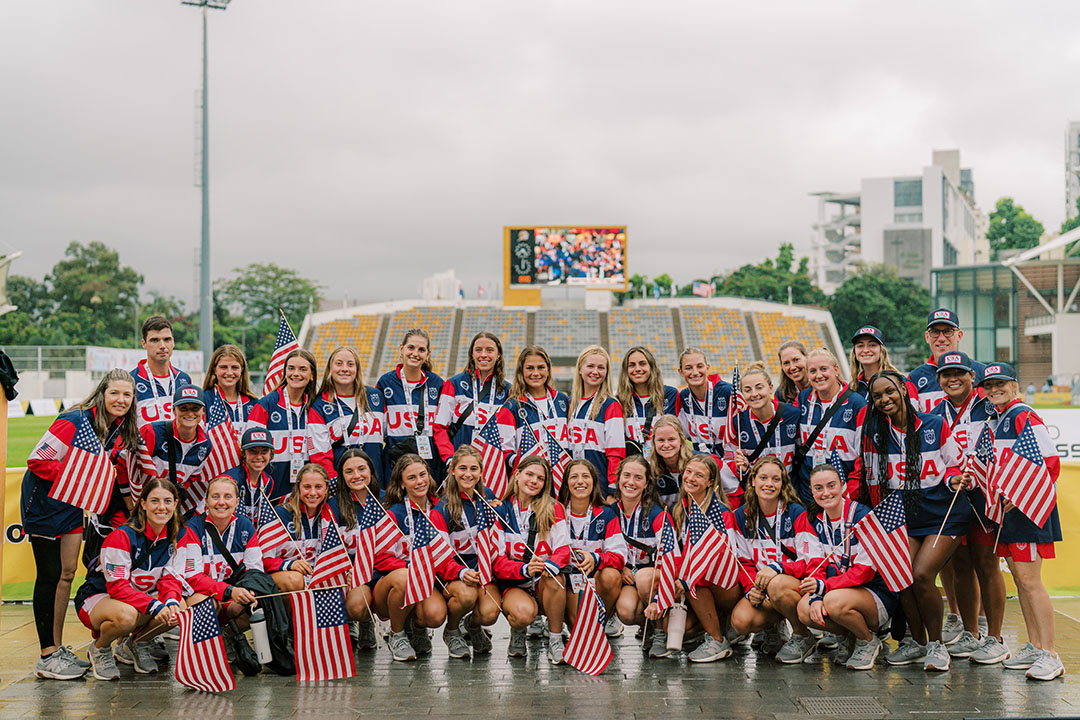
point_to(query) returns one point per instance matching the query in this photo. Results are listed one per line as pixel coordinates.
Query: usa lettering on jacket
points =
(635, 423)
(153, 455)
(239, 539)
(400, 413)
(939, 452)
(151, 407)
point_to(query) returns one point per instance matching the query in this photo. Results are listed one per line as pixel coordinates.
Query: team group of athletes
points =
(784, 481)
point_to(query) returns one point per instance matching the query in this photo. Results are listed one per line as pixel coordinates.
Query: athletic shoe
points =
(990, 652)
(770, 640)
(953, 628)
(418, 637)
(66, 649)
(984, 626)
(58, 666)
(516, 648)
(864, 654)
(555, 649)
(1047, 667)
(354, 633)
(757, 640)
(130, 652)
(366, 639)
(907, 653)
(693, 639)
(400, 647)
(173, 634)
(965, 646)
(796, 649)
(844, 650)
(156, 648)
(711, 650)
(733, 637)
(538, 627)
(659, 648)
(1023, 659)
(103, 663)
(828, 641)
(613, 627)
(455, 644)
(479, 638)
(937, 657)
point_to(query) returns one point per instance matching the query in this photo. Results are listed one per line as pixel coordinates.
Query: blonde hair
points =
(602, 393)
(328, 388)
(542, 504)
(243, 386)
(451, 493)
(693, 351)
(625, 392)
(685, 450)
(518, 388)
(826, 352)
(678, 512)
(856, 366)
(294, 503)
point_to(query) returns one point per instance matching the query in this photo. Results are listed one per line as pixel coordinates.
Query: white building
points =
(910, 222)
(1072, 168)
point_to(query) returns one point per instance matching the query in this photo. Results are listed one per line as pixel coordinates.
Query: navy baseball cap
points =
(189, 395)
(256, 438)
(997, 371)
(955, 361)
(942, 316)
(869, 331)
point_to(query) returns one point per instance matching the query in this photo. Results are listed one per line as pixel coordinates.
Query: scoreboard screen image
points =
(584, 256)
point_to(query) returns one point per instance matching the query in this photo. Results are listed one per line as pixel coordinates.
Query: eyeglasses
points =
(938, 332)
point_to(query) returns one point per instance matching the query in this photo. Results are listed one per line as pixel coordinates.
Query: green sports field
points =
(23, 435)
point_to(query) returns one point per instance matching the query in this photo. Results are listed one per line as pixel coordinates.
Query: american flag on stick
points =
(332, 563)
(271, 531)
(283, 345)
(200, 660)
(428, 551)
(667, 564)
(377, 532)
(980, 465)
(321, 635)
(225, 452)
(487, 540)
(86, 480)
(588, 649)
(707, 555)
(883, 533)
(489, 442)
(1023, 478)
(559, 459)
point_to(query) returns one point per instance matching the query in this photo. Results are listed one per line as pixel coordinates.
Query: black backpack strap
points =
(529, 543)
(352, 426)
(800, 450)
(219, 545)
(455, 426)
(172, 455)
(770, 431)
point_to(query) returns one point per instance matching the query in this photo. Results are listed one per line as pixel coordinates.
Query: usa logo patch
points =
(992, 369)
(952, 359)
(942, 315)
(189, 392)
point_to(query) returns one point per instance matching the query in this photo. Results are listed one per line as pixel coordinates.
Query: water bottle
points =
(262, 640)
(676, 626)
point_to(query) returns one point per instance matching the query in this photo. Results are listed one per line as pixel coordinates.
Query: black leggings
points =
(47, 560)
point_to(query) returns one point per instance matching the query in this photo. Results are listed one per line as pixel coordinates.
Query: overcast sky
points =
(369, 144)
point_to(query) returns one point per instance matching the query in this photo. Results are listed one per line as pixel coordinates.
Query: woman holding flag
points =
(352, 412)
(536, 547)
(644, 398)
(903, 450)
(227, 384)
(405, 591)
(535, 404)
(104, 424)
(1027, 470)
(709, 539)
(357, 486)
(842, 593)
(298, 432)
(703, 409)
(308, 518)
(467, 510)
(766, 428)
(597, 431)
(671, 451)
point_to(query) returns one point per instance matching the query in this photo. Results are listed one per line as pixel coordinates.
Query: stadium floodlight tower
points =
(206, 312)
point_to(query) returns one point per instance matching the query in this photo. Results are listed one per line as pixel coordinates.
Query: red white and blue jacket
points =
(599, 534)
(205, 569)
(248, 495)
(396, 556)
(554, 548)
(153, 394)
(838, 436)
(850, 566)
(456, 396)
(153, 456)
(940, 457)
(462, 531)
(635, 422)
(751, 432)
(705, 421)
(1007, 425)
(401, 411)
(237, 412)
(639, 529)
(770, 542)
(306, 538)
(925, 380)
(601, 441)
(295, 431)
(369, 434)
(543, 417)
(159, 573)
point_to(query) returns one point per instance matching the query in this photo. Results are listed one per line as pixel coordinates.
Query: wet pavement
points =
(748, 685)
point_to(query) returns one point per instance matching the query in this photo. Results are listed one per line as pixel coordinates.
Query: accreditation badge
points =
(423, 446)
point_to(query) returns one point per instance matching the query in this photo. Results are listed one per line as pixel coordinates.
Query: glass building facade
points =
(984, 296)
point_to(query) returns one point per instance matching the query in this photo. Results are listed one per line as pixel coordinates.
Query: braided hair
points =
(875, 442)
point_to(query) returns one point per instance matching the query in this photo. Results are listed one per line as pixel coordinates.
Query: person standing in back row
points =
(943, 334)
(155, 377)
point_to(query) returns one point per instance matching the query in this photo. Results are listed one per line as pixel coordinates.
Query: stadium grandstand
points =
(729, 330)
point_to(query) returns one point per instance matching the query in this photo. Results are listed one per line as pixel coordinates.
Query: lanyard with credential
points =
(845, 521)
(154, 384)
(421, 414)
(296, 461)
(473, 420)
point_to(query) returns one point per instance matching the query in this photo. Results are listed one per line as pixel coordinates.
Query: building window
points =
(950, 254)
(907, 193)
(902, 218)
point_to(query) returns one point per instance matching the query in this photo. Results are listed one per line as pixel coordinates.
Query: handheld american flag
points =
(883, 533)
(487, 539)
(559, 459)
(321, 635)
(588, 649)
(980, 465)
(528, 445)
(271, 531)
(667, 564)
(428, 551)
(377, 532)
(332, 563)
(283, 345)
(737, 397)
(707, 555)
(200, 660)
(225, 452)
(489, 442)
(86, 479)
(1023, 478)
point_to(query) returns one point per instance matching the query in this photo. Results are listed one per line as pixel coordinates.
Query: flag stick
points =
(938, 536)
(645, 627)
(507, 527)
(293, 592)
(833, 551)
(726, 543)
(296, 547)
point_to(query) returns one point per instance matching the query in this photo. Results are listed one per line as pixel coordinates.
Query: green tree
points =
(876, 295)
(664, 282)
(770, 280)
(89, 285)
(1011, 228)
(1073, 222)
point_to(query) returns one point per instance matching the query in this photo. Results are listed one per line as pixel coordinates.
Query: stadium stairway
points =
(376, 359)
(455, 344)
(755, 341)
(605, 337)
(676, 329)
(530, 328)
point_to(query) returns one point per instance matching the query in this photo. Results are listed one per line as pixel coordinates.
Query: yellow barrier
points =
(1061, 574)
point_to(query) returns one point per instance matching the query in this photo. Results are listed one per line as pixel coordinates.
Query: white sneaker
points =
(1023, 659)
(710, 650)
(937, 657)
(555, 649)
(990, 652)
(614, 626)
(1047, 667)
(538, 627)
